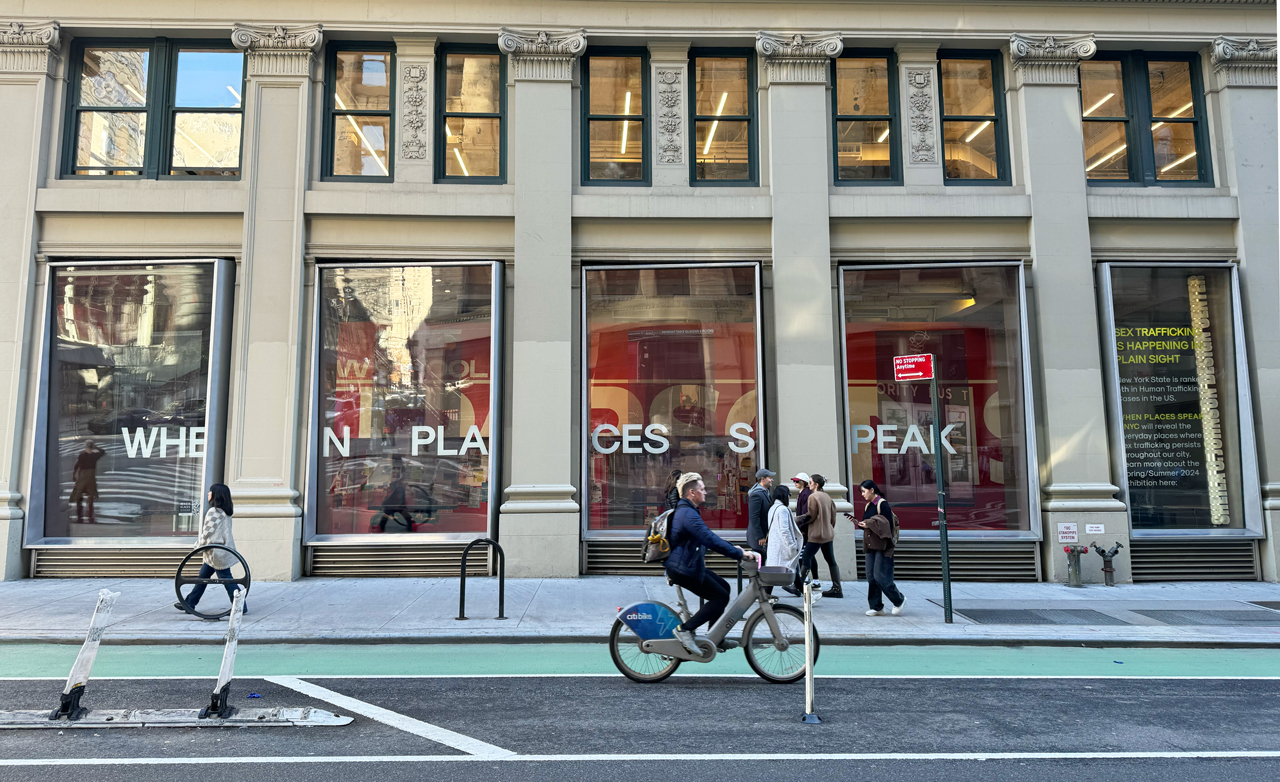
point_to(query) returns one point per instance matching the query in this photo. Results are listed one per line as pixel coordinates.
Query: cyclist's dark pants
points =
(712, 588)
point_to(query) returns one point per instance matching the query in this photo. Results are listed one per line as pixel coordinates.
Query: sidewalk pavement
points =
(423, 610)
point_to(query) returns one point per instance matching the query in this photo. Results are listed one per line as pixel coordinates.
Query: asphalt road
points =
(910, 719)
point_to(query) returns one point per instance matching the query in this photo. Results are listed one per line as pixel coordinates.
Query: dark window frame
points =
(442, 79)
(162, 85)
(1001, 120)
(753, 111)
(331, 110)
(645, 118)
(1142, 166)
(893, 117)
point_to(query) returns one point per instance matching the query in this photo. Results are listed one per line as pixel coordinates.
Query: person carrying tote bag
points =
(215, 528)
(784, 539)
(877, 541)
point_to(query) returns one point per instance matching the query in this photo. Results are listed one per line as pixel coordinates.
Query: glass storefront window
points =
(404, 395)
(126, 407)
(671, 384)
(1174, 332)
(970, 319)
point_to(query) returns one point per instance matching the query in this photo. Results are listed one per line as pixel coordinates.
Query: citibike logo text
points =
(634, 616)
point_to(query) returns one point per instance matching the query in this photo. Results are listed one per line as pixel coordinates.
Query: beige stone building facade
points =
(407, 275)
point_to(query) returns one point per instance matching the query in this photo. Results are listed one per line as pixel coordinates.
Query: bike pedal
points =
(727, 644)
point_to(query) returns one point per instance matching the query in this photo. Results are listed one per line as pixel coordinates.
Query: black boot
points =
(834, 591)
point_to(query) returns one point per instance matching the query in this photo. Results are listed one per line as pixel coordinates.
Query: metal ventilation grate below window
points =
(389, 561)
(921, 560)
(1194, 560)
(99, 562)
(622, 558)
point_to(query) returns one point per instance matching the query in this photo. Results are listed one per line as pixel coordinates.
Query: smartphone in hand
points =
(849, 516)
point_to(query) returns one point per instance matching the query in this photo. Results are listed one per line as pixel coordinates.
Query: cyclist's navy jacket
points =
(690, 540)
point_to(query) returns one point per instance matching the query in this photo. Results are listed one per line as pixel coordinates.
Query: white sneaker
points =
(686, 637)
(874, 612)
(898, 608)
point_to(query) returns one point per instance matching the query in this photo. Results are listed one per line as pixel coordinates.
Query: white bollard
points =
(810, 717)
(69, 706)
(218, 707)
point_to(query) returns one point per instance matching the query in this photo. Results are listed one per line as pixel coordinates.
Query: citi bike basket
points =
(644, 647)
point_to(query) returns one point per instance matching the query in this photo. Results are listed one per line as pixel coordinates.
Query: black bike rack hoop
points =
(180, 580)
(502, 577)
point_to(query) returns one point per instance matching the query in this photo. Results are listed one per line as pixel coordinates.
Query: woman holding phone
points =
(877, 542)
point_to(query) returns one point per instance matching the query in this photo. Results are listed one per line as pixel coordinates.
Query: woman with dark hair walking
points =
(671, 495)
(877, 540)
(215, 528)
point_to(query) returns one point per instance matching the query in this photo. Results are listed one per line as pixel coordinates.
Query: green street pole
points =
(942, 495)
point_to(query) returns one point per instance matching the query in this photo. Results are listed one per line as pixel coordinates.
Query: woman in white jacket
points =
(215, 528)
(784, 541)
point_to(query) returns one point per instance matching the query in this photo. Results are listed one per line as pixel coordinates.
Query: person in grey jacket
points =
(215, 528)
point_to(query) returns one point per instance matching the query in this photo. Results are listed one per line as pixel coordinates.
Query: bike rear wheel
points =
(635, 663)
(780, 666)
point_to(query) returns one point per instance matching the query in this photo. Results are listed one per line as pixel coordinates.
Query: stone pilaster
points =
(809, 377)
(1074, 449)
(1244, 77)
(415, 98)
(28, 59)
(922, 130)
(669, 64)
(539, 522)
(266, 421)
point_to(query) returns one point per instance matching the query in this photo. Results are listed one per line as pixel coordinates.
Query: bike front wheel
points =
(635, 663)
(773, 664)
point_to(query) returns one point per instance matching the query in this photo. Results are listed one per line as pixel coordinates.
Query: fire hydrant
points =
(1073, 564)
(1108, 570)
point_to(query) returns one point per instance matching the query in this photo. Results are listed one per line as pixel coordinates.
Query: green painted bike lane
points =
(54, 660)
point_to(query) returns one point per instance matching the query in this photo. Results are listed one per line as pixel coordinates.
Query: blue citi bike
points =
(644, 648)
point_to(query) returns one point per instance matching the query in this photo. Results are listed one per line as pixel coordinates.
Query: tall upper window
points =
(615, 98)
(973, 131)
(723, 117)
(471, 109)
(358, 112)
(866, 118)
(1143, 120)
(164, 108)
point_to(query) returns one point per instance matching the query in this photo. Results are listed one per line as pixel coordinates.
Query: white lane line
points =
(359, 676)
(514, 758)
(426, 730)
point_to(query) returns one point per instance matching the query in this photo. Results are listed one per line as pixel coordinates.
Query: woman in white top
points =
(784, 540)
(215, 528)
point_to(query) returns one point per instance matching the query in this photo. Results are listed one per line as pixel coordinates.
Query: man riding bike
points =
(686, 565)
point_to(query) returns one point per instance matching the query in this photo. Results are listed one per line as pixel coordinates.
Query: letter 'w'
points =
(131, 446)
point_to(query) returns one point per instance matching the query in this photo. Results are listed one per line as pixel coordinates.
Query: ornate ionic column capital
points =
(798, 59)
(28, 48)
(279, 50)
(1050, 59)
(538, 55)
(1244, 62)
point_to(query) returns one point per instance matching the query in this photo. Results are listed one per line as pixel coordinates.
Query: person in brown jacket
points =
(819, 524)
(877, 541)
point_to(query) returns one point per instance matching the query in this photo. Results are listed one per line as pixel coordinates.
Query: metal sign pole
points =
(942, 497)
(810, 717)
(69, 706)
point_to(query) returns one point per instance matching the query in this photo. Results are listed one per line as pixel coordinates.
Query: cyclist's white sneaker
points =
(686, 637)
(898, 608)
(874, 612)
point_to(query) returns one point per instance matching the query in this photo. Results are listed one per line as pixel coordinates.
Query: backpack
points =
(893, 520)
(657, 544)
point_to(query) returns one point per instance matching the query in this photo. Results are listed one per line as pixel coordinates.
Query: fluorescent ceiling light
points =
(720, 110)
(1098, 105)
(1108, 156)
(976, 131)
(626, 109)
(1178, 162)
